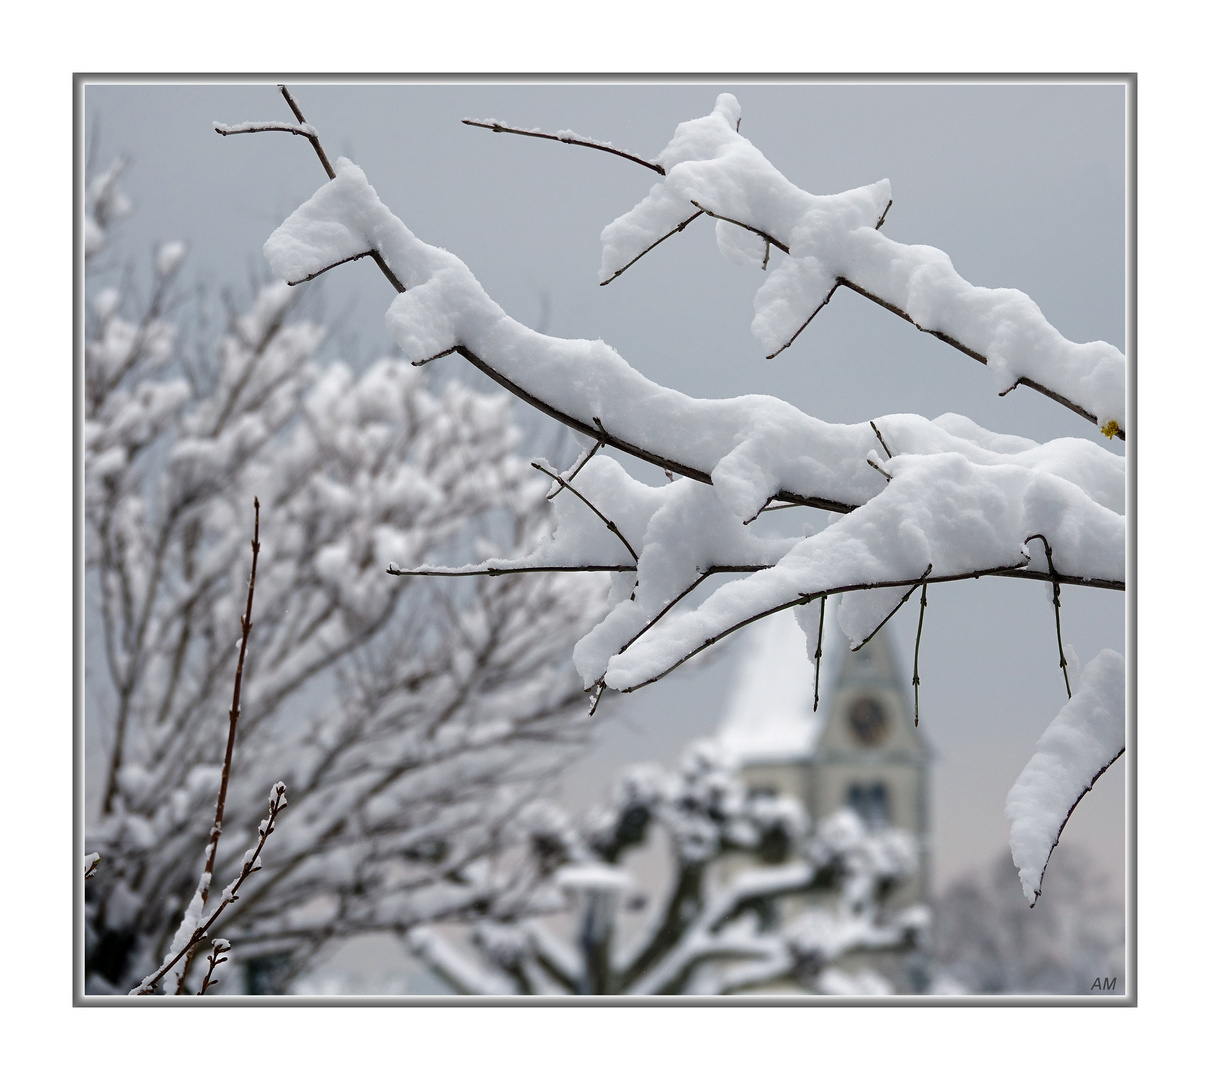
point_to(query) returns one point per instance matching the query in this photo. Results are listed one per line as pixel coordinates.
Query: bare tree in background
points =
(411, 725)
(1074, 943)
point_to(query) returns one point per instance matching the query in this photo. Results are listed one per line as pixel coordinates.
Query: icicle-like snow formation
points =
(1080, 743)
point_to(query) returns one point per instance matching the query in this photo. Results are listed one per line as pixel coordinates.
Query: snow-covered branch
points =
(749, 449)
(709, 168)
(913, 499)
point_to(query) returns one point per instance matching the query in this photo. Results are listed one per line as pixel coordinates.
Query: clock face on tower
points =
(867, 721)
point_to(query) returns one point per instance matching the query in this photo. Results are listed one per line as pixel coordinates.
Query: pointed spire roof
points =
(873, 666)
(768, 714)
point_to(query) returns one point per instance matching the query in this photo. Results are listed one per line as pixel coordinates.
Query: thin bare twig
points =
(767, 506)
(710, 571)
(667, 608)
(672, 232)
(567, 137)
(584, 459)
(818, 652)
(216, 829)
(919, 631)
(794, 336)
(302, 120)
(1055, 586)
(873, 464)
(303, 128)
(608, 524)
(332, 266)
(751, 228)
(497, 571)
(881, 439)
(436, 356)
(774, 505)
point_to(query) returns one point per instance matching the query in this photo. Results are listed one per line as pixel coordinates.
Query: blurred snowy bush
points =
(410, 724)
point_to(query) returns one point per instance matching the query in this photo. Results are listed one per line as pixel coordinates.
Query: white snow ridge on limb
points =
(1081, 742)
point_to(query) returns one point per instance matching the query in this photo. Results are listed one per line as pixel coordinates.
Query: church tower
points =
(871, 757)
(861, 750)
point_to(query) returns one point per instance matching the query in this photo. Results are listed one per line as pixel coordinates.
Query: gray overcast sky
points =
(1023, 185)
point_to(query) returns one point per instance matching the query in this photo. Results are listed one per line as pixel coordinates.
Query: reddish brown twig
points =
(305, 130)
(498, 571)
(819, 652)
(608, 524)
(216, 829)
(1055, 597)
(672, 232)
(766, 237)
(583, 460)
(569, 138)
(924, 586)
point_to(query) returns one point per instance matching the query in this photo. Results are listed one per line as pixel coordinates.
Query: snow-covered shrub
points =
(752, 898)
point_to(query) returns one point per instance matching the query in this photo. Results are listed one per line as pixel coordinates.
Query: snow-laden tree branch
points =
(913, 498)
(832, 241)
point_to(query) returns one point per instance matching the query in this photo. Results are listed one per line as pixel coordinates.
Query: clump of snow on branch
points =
(1079, 744)
(104, 204)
